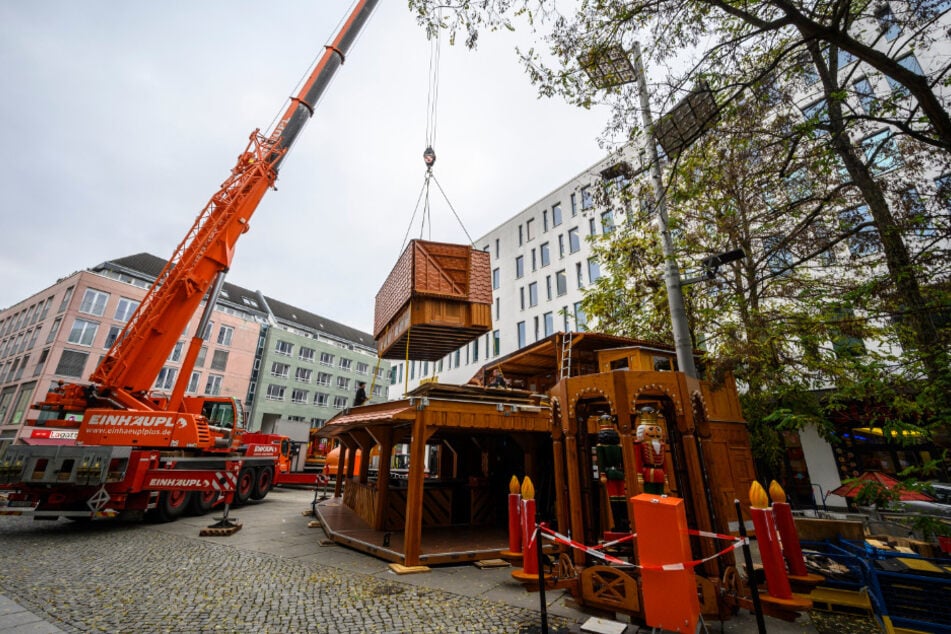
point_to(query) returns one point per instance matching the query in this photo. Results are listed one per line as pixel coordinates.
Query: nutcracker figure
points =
(611, 472)
(650, 438)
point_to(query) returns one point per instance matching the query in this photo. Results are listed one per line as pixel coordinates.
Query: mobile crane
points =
(135, 451)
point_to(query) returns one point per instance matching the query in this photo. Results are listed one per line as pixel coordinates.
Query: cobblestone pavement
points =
(272, 576)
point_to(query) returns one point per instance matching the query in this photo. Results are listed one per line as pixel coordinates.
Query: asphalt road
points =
(277, 574)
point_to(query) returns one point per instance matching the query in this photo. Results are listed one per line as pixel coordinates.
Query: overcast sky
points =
(123, 118)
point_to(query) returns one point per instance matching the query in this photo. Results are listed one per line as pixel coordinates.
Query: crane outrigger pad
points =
(437, 298)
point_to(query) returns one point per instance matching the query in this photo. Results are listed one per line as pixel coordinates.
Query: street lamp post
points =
(675, 297)
(608, 67)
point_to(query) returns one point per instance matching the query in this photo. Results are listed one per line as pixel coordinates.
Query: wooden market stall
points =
(441, 497)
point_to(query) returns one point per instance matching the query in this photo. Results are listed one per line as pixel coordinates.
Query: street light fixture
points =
(610, 66)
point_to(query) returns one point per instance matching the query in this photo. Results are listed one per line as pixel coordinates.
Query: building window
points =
(530, 229)
(54, 329)
(866, 95)
(521, 297)
(592, 227)
(549, 321)
(340, 402)
(202, 353)
(607, 222)
(68, 295)
(544, 221)
(94, 302)
(274, 392)
(881, 152)
(326, 359)
(581, 321)
(864, 241)
(574, 204)
(345, 364)
(496, 343)
(556, 213)
(520, 327)
(779, 258)
(545, 254)
(534, 261)
(306, 354)
(176, 354)
(561, 283)
(299, 396)
(519, 266)
(533, 294)
(219, 360)
(520, 236)
(586, 200)
(495, 279)
(280, 370)
(908, 62)
(343, 383)
(363, 368)
(574, 242)
(125, 308)
(594, 270)
(72, 363)
(111, 336)
(303, 375)
(166, 379)
(579, 274)
(321, 399)
(225, 334)
(561, 246)
(193, 382)
(887, 23)
(83, 332)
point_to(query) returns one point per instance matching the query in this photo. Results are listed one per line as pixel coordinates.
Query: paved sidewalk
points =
(15, 619)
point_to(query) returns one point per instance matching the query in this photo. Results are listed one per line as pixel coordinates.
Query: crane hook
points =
(429, 157)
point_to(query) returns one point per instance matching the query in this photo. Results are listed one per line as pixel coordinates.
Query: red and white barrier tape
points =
(595, 551)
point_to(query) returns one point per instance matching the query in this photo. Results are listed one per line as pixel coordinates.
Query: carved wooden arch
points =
(586, 393)
(700, 408)
(658, 387)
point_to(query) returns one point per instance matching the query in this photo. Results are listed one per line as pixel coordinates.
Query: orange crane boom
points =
(128, 371)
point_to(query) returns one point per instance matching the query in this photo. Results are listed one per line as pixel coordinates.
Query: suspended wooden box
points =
(437, 298)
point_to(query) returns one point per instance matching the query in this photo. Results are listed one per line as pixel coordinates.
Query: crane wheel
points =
(242, 491)
(263, 482)
(202, 502)
(171, 505)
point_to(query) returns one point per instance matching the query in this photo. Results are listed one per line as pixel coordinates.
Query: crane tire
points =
(172, 505)
(244, 487)
(263, 482)
(202, 502)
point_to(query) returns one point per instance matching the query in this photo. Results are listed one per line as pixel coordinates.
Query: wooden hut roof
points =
(470, 407)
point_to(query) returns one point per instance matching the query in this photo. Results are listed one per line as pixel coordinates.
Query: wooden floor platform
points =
(443, 545)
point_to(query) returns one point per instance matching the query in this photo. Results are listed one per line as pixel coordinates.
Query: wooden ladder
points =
(566, 355)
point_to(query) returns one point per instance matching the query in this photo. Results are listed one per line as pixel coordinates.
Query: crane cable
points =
(429, 155)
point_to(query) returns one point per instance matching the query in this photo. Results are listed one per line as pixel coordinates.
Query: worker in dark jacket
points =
(361, 396)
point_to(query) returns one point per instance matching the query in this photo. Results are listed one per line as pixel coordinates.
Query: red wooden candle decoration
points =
(777, 583)
(782, 513)
(515, 525)
(529, 543)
